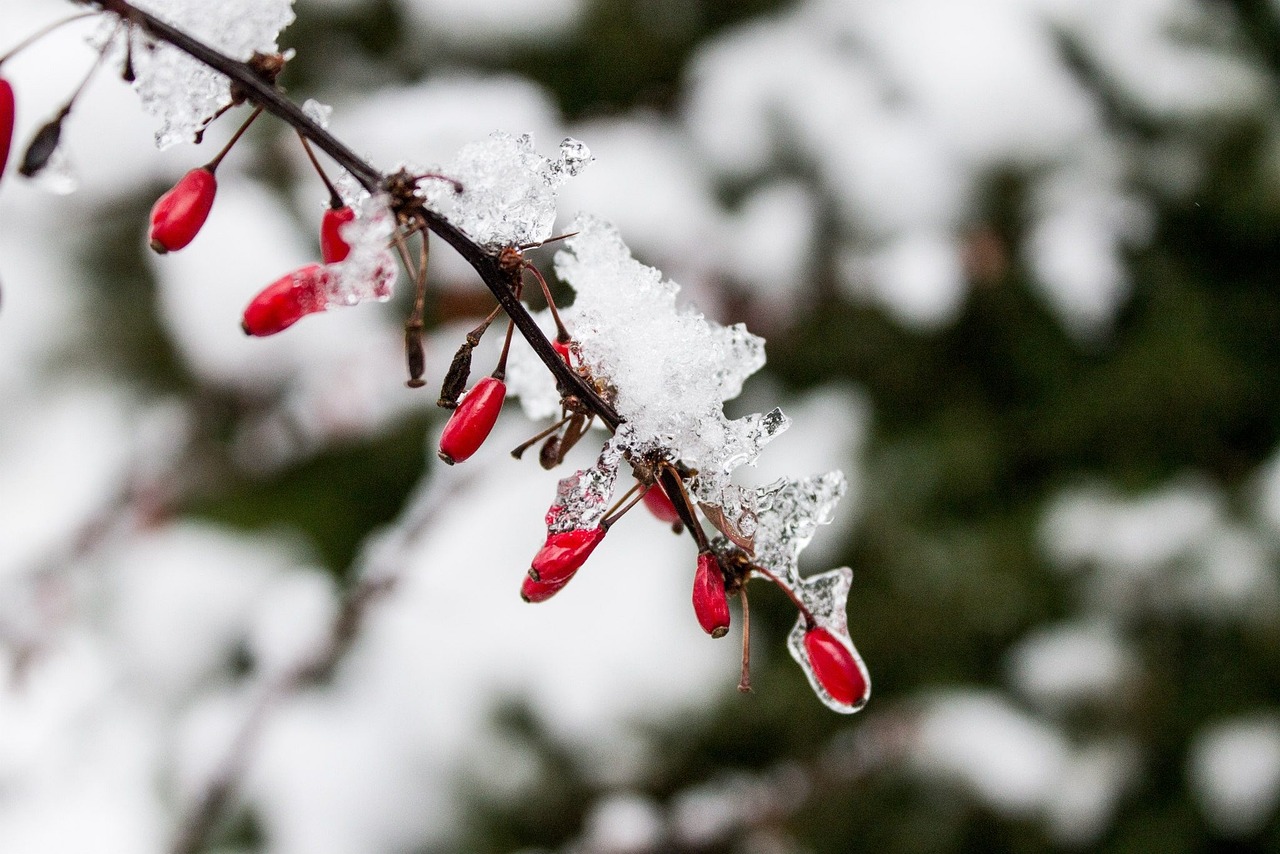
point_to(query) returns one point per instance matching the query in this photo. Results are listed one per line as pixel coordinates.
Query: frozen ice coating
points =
(369, 271)
(826, 596)
(508, 190)
(583, 497)
(788, 513)
(180, 91)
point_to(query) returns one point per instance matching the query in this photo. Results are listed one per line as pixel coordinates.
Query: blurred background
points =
(1015, 261)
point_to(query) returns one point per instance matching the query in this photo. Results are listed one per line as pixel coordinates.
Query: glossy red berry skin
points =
(710, 603)
(178, 215)
(660, 505)
(563, 554)
(561, 347)
(835, 668)
(286, 301)
(472, 421)
(332, 247)
(540, 591)
(8, 110)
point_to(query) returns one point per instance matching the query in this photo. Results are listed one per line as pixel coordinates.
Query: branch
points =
(271, 99)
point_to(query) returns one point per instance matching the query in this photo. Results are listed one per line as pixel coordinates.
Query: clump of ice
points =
(317, 112)
(788, 513)
(583, 497)
(182, 92)
(509, 191)
(668, 368)
(369, 271)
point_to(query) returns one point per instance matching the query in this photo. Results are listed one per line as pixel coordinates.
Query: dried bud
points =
(286, 301)
(660, 505)
(541, 591)
(472, 421)
(179, 214)
(549, 453)
(332, 247)
(563, 554)
(8, 110)
(415, 355)
(42, 147)
(835, 667)
(455, 379)
(709, 601)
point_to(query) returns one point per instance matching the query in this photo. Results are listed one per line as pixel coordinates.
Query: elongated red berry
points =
(287, 300)
(472, 421)
(563, 554)
(178, 215)
(561, 347)
(660, 505)
(332, 247)
(709, 601)
(540, 591)
(835, 668)
(8, 110)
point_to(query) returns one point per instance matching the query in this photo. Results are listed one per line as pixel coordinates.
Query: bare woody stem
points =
(272, 100)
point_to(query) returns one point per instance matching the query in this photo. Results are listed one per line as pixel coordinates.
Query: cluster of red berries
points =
(179, 214)
(177, 218)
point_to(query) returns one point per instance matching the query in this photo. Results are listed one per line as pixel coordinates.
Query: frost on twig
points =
(509, 191)
(183, 93)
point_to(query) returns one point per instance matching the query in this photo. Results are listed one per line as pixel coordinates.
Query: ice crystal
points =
(369, 271)
(788, 513)
(508, 190)
(183, 93)
(583, 497)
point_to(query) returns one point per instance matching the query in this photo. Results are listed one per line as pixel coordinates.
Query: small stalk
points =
(213, 164)
(335, 199)
(744, 684)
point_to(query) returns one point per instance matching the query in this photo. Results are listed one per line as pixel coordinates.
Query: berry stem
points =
(500, 372)
(562, 334)
(417, 318)
(809, 621)
(518, 450)
(335, 200)
(611, 516)
(744, 684)
(213, 164)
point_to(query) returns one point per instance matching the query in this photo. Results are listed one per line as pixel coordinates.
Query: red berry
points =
(472, 421)
(835, 667)
(286, 301)
(179, 213)
(541, 591)
(709, 600)
(660, 505)
(7, 112)
(561, 347)
(563, 554)
(332, 247)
